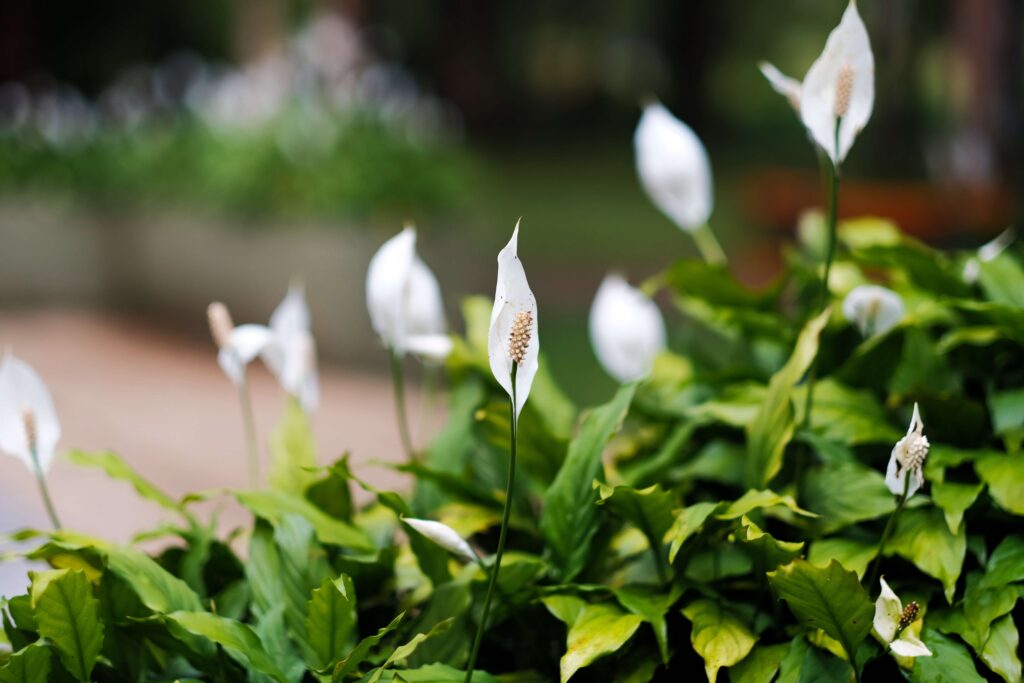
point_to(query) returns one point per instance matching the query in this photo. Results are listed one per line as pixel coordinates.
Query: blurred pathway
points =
(161, 402)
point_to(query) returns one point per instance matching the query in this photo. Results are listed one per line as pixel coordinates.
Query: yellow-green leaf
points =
(68, 616)
(331, 620)
(718, 636)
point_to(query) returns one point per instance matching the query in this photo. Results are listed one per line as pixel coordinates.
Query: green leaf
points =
(649, 509)
(852, 554)
(755, 500)
(1001, 648)
(331, 620)
(116, 468)
(950, 662)
(847, 416)
(569, 519)
(923, 537)
(273, 506)
(361, 651)
(1007, 408)
(158, 589)
(760, 665)
(442, 673)
(1002, 278)
(594, 631)
(773, 426)
(718, 636)
(403, 652)
(1006, 564)
(687, 522)
(766, 552)
(1004, 475)
(981, 606)
(846, 493)
(238, 640)
(68, 616)
(954, 499)
(652, 605)
(31, 664)
(292, 451)
(829, 598)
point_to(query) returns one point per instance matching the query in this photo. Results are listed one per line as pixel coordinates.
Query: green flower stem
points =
(44, 491)
(708, 246)
(249, 427)
(506, 514)
(398, 382)
(890, 526)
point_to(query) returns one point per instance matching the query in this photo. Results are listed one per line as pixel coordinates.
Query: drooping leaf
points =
(403, 652)
(158, 589)
(1001, 650)
(687, 522)
(760, 665)
(846, 493)
(594, 631)
(273, 506)
(1004, 475)
(923, 537)
(569, 517)
(955, 498)
(1006, 564)
(950, 662)
(649, 509)
(31, 664)
(852, 554)
(766, 551)
(719, 636)
(360, 652)
(331, 620)
(652, 605)
(766, 500)
(829, 598)
(117, 468)
(237, 639)
(68, 616)
(292, 451)
(773, 426)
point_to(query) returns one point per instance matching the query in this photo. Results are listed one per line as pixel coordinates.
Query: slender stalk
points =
(249, 426)
(708, 246)
(44, 491)
(506, 514)
(398, 382)
(889, 527)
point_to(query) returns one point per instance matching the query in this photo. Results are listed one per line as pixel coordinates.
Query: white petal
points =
(444, 536)
(909, 645)
(888, 610)
(990, 250)
(424, 306)
(873, 309)
(386, 281)
(626, 329)
(916, 425)
(244, 344)
(847, 45)
(433, 347)
(892, 475)
(21, 391)
(512, 295)
(292, 315)
(781, 83)
(673, 167)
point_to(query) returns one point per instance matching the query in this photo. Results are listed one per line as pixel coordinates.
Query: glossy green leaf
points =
(331, 620)
(766, 551)
(687, 522)
(273, 506)
(950, 662)
(1001, 650)
(594, 631)
(569, 518)
(773, 426)
(846, 493)
(1006, 564)
(761, 500)
(292, 451)
(954, 499)
(760, 665)
(238, 639)
(718, 635)
(361, 651)
(158, 589)
(1004, 475)
(651, 604)
(829, 598)
(403, 652)
(31, 664)
(649, 509)
(847, 416)
(68, 616)
(923, 537)
(853, 554)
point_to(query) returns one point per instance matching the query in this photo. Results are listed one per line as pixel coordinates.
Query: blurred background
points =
(157, 156)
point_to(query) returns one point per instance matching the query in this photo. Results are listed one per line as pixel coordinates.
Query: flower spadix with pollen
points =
(290, 353)
(839, 88)
(907, 458)
(513, 338)
(29, 428)
(626, 330)
(891, 625)
(444, 536)
(237, 346)
(674, 168)
(404, 300)
(873, 309)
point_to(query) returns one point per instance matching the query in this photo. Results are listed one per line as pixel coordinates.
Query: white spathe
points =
(626, 329)
(786, 86)
(512, 296)
(444, 536)
(888, 612)
(673, 167)
(245, 343)
(404, 300)
(873, 309)
(986, 253)
(290, 353)
(847, 49)
(24, 397)
(908, 456)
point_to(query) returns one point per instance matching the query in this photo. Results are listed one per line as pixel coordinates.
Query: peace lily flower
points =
(892, 622)
(987, 252)
(838, 92)
(785, 85)
(626, 329)
(237, 346)
(29, 428)
(513, 341)
(873, 309)
(907, 458)
(290, 353)
(404, 300)
(444, 536)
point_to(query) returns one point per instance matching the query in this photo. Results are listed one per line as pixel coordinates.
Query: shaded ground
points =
(159, 400)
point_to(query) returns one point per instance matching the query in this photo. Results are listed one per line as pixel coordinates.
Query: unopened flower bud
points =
(221, 324)
(519, 339)
(844, 90)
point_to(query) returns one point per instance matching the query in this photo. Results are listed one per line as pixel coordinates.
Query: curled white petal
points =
(626, 329)
(673, 167)
(512, 296)
(291, 353)
(23, 392)
(909, 645)
(785, 85)
(888, 610)
(873, 309)
(848, 48)
(245, 342)
(444, 536)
